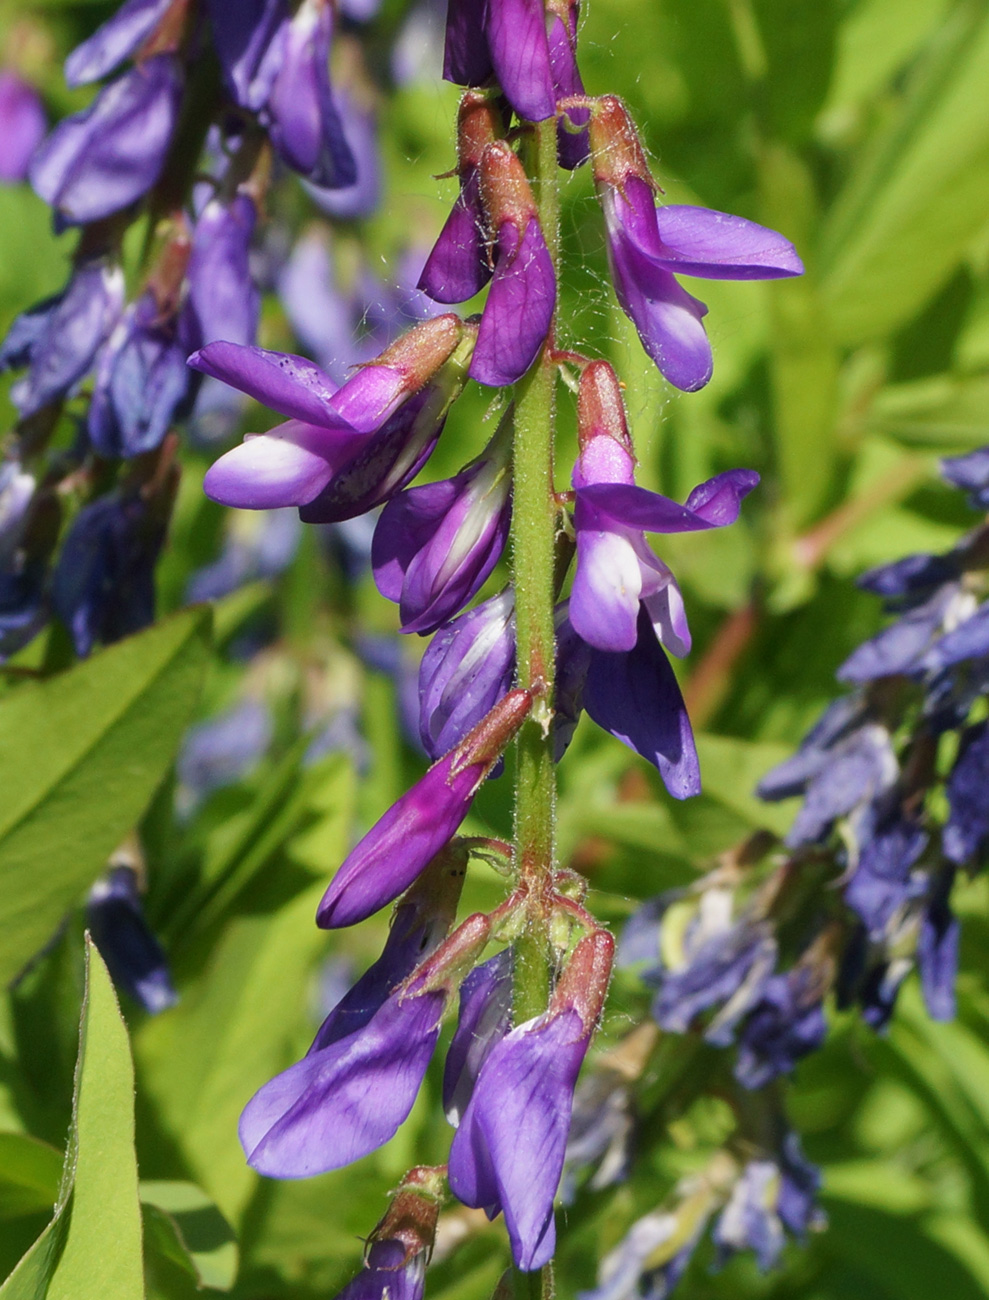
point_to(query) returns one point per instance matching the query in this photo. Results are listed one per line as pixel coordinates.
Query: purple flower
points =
(573, 147)
(248, 38)
(22, 125)
(485, 1018)
(360, 130)
(785, 1025)
(403, 842)
(119, 38)
(635, 696)
(843, 762)
(629, 1271)
(142, 380)
(882, 883)
(222, 750)
(468, 666)
(387, 1275)
(522, 298)
(104, 158)
(16, 494)
(646, 246)
(466, 56)
(358, 1080)
(970, 472)
(749, 1220)
(324, 458)
(937, 948)
(969, 639)
(459, 265)
(226, 302)
(103, 585)
(901, 647)
(135, 958)
(264, 550)
(529, 47)
(435, 546)
(58, 340)
(723, 961)
(347, 1098)
(966, 833)
(509, 1150)
(305, 124)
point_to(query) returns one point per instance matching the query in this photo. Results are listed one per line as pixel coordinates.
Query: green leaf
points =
(80, 757)
(236, 1026)
(920, 195)
(30, 1171)
(92, 1247)
(186, 1227)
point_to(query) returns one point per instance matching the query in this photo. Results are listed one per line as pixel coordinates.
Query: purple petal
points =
(970, 472)
(666, 612)
(291, 385)
(225, 299)
(485, 1018)
(604, 602)
(401, 844)
(115, 41)
(717, 246)
(383, 463)
(519, 309)
(286, 467)
(346, 1100)
(967, 829)
(466, 57)
(573, 148)
(517, 38)
(436, 545)
(468, 666)
(937, 950)
(22, 126)
(385, 1275)
(361, 199)
(99, 161)
(306, 126)
(636, 697)
(713, 504)
(970, 640)
(248, 38)
(458, 268)
(513, 1135)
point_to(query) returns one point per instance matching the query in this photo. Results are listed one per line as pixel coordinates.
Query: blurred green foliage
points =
(858, 128)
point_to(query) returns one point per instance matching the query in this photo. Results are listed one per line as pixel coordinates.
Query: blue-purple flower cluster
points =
(893, 780)
(352, 443)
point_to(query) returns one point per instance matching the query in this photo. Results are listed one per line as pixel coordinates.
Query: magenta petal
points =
(457, 268)
(718, 246)
(519, 309)
(288, 384)
(401, 844)
(513, 1134)
(370, 397)
(286, 467)
(346, 1100)
(711, 505)
(636, 697)
(519, 44)
(604, 602)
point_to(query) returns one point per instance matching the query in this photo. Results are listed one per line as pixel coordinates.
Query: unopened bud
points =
(600, 407)
(583, 986)
(505, 189)
(616, 149)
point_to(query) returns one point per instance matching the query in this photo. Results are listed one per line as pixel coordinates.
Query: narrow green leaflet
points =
(30, 1172)
(80, 757)
(92, 1248)
(184, 1225)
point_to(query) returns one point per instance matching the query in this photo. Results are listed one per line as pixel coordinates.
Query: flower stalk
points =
(534, 524)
